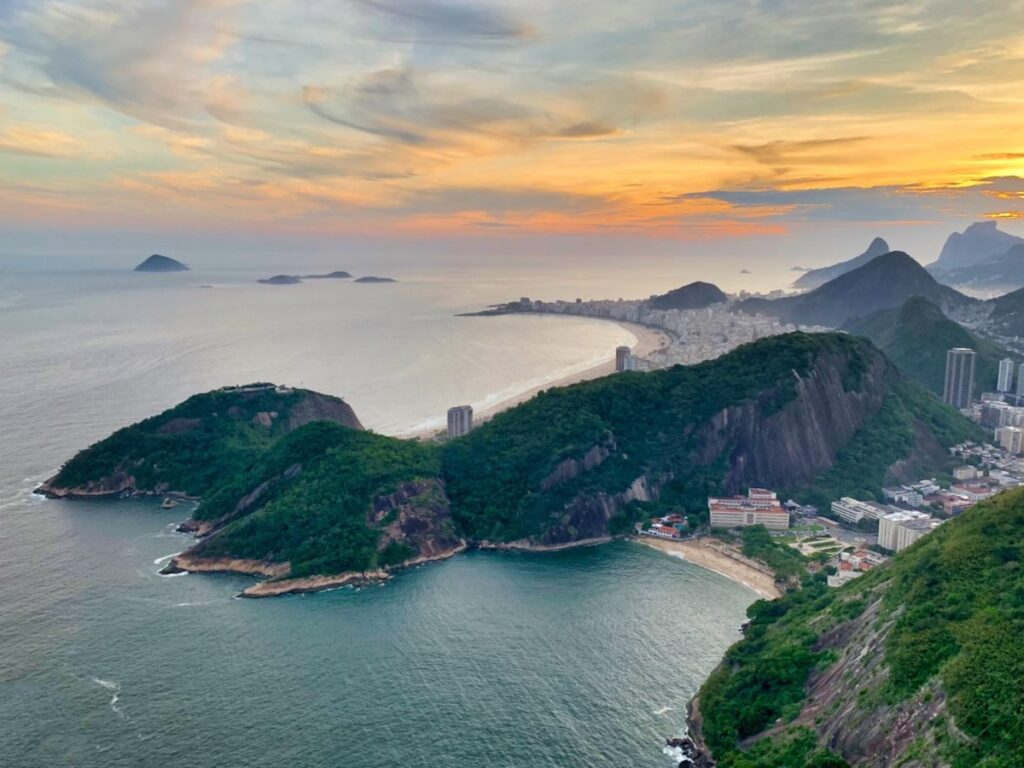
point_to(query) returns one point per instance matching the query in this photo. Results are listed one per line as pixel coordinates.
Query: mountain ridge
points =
(817, 277)
(885, 281)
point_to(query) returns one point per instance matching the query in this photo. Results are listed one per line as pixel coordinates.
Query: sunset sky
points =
(650, 123)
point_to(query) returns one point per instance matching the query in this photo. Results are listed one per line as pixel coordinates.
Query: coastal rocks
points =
(685, 750)
(587, 516)
(189, 563)
(118, 484)
(314, 583)
(416, 515)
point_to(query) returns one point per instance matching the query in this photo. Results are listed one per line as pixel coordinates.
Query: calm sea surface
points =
(578, 658)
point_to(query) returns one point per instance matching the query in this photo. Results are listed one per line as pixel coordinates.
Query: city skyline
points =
(664, 127)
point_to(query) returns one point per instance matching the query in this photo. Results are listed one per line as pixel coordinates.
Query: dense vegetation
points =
(192, 446)
(318, 519)
(495, 475)
(916, 337)
(1008, 313)
(889, 436)
(950, 615)
(279, 493)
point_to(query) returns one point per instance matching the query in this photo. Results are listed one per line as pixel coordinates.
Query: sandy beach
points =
(714, 556)
(647, 341)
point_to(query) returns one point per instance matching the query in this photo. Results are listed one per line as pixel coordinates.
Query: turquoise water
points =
(585, 657)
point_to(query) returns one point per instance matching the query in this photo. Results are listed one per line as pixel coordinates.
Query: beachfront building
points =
(759, 507)
(624, 360)
(460, 420)
(958, 390)
(662, 531)
(852, 511)
(899, 530)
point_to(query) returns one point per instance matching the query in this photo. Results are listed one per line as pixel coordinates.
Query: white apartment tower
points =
(959, 387)
(1005, 381)
(460, 420)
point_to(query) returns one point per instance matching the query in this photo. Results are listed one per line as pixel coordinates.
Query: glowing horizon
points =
(423, 118)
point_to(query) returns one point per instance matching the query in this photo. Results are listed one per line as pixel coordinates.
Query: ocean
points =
(582, 657)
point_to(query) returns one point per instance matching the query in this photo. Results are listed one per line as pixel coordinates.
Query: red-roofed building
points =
(758, 507)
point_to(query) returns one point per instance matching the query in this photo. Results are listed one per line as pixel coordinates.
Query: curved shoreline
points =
(648, 340)
(701, 554)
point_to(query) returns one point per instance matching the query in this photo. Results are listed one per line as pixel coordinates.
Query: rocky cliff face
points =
(791, 446)
(762, 445)
(416, 514)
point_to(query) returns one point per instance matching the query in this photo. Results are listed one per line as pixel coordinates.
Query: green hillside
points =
(814, 415)
(917, 663)
(916, 337)
(195, 445)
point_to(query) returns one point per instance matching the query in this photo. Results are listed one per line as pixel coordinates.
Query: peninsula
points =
(294, 490)
(158, 263)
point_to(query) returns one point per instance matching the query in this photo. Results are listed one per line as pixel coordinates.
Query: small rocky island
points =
(339, 274)
(158, 263)
(373, 279)
(295, 279)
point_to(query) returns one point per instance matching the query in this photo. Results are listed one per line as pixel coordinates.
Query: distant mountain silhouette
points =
(158, 263)
(1004, 271)
(917, 336)
(815, 277)
(693, 296)
(979, 242)
(885, 281)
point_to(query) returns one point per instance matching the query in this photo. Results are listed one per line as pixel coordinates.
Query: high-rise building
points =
(959, 388)
(623, 359)
(1010, 439)
(1020, 381)
(899, 530)
(460, 420)
(1005, 381)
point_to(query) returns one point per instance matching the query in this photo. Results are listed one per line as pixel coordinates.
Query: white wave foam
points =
(171, 575)
(663, 710)
(165, 558)
(115, 687)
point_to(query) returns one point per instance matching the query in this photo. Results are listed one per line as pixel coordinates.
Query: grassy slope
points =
(955, 602)
(916, 337)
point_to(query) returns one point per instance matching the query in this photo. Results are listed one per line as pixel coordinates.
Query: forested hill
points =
(812, 415)
(917, 336)
(197, 444)
(916, 664)
(884, 282)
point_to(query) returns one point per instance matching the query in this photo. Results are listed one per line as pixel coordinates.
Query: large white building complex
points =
(898, 530)
(853, 511)
(758, 507)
